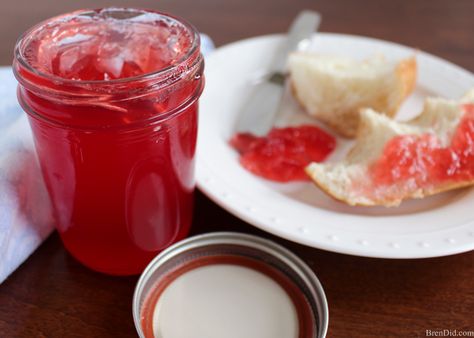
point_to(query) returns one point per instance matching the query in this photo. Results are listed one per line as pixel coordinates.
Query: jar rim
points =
(218, 244)
(160, 73)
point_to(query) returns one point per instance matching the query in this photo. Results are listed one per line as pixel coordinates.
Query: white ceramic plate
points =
(436, 226)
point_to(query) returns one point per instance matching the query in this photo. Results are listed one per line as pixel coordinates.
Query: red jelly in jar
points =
(111, 96)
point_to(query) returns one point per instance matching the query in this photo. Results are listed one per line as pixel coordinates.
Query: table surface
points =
(51, 295)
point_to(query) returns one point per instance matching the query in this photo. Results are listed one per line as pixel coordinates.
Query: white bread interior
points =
(334, 89)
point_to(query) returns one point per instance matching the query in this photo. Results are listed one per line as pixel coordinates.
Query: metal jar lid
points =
(262, 255)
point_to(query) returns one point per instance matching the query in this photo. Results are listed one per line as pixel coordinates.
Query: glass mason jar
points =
(112, 101)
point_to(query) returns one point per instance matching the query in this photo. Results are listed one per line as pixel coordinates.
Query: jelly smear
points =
(422, 160)
(283, 154)
(104, 48)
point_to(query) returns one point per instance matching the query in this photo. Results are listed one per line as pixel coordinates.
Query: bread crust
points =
(389, 202)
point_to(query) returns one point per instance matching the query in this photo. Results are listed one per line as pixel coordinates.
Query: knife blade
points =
(258, 113)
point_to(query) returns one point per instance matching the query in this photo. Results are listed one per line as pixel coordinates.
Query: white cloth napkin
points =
(25, 210)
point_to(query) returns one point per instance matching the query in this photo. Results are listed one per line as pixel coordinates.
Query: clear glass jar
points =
(112, 100)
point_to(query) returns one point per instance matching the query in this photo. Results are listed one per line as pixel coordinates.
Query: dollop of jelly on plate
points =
(283, 154)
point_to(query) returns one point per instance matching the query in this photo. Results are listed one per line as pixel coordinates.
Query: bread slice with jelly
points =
(392, 161)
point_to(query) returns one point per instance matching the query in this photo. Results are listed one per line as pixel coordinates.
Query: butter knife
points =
(259, 112)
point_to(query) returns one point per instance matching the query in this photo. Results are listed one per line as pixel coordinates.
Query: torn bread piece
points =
(334, 89)
(392, 161)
